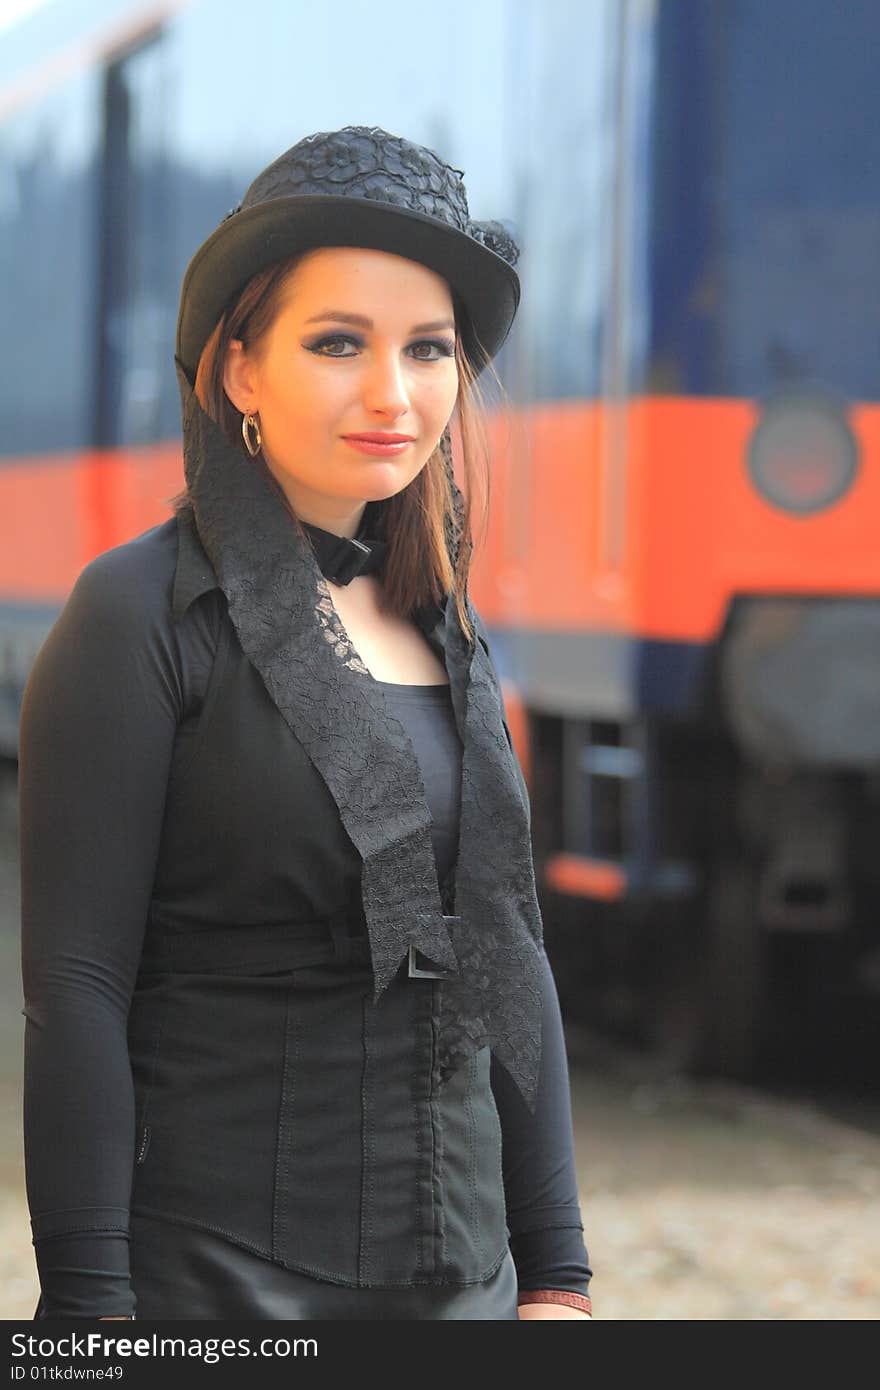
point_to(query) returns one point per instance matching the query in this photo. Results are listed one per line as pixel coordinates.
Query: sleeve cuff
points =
(84, 1274)
(552, 1257)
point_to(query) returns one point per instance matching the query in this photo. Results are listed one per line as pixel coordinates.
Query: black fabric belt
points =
(174, 945)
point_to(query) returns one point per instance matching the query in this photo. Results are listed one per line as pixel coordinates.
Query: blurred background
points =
(681, 576)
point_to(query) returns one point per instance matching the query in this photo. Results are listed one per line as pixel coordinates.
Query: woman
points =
(293, 1048)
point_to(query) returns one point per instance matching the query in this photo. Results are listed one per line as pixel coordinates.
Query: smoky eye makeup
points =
(444, 346)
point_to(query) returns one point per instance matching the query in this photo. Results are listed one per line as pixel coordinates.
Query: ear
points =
(240, 378)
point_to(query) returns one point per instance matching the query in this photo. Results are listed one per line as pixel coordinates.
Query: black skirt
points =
(181, 1272)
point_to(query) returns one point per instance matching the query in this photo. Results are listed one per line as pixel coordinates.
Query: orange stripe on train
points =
(639, 520)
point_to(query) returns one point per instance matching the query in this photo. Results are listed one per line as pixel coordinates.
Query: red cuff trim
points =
(574, 1300)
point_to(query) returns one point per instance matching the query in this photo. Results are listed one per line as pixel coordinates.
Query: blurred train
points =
(682, 574)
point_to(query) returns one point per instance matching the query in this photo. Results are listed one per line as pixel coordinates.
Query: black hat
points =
(358, 186)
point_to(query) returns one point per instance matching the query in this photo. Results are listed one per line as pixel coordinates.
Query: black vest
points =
(278, 1104)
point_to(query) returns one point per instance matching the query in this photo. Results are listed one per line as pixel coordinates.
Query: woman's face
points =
(319, 376)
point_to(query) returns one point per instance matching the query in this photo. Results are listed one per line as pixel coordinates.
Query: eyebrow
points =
(361, 321)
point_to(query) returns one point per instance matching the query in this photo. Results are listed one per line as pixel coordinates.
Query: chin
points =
(383, 488)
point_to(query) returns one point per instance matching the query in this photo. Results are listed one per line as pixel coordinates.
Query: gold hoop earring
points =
(253, 421)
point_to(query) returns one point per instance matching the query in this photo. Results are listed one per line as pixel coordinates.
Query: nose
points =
(385, 390)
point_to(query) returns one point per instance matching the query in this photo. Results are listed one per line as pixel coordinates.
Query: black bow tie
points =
(341, 558)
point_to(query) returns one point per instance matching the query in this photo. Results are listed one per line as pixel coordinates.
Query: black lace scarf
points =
(282, 611)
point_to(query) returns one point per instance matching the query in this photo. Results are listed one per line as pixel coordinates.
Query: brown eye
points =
(336, 338)
(444, 348)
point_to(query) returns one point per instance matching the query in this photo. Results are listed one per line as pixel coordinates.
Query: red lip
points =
(381, 438)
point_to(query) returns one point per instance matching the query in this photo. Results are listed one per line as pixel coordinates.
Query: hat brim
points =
(259, 236)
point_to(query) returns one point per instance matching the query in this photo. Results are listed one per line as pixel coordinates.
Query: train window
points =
(48, 178)
(564, 147)
(137, 287)
(802, 213)
(766, 204)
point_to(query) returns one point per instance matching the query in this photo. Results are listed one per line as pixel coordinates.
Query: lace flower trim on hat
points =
(497, 238)
(368, 162)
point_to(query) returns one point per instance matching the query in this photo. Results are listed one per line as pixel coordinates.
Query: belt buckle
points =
(416, 973)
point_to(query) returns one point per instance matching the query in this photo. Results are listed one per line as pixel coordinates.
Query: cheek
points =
(437, 397)
(303, 407)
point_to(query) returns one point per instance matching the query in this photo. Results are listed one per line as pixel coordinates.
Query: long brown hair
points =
(417, 569)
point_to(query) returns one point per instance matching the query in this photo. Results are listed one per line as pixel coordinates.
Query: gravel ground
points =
(706, 1200)
(700, 1200)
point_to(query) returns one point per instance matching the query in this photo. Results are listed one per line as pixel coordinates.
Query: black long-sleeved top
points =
(115, 712)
